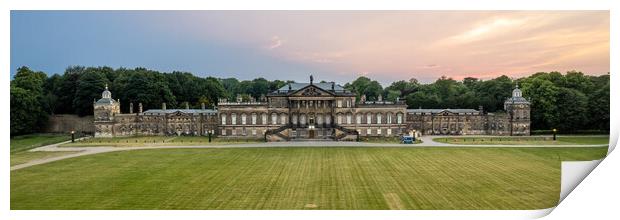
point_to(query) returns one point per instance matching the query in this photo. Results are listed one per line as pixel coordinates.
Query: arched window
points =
(328, 119)
(294, 119)
(339, 118)
(349, 118)
(399, 118)
(253, 118)
(358, 118)
(368, 118)
(319, 119)
(302, 119)
(283, 119)
(263, 118)
(243, 119)
(233, 118)
(274, 118)
(389, 118)
(223, 119)
(379, 118)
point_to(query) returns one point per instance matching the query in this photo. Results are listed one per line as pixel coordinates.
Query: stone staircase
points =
(278, 134)
(345, 134)
(289, 133)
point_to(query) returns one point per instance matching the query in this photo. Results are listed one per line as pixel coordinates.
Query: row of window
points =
(254, 119)
(322, 104)
(254, 132)
(319, 119)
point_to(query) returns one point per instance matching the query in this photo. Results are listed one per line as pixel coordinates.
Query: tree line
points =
(569, 102)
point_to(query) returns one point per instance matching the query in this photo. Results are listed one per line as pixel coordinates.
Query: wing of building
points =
(309, 111)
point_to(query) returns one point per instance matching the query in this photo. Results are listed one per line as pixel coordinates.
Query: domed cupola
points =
(106, 97)
(106, 94)
(516, 99)
(516, 92)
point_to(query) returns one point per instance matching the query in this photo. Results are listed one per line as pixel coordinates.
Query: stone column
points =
(140, 107)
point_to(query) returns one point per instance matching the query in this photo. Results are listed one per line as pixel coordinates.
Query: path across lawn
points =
(81, 151)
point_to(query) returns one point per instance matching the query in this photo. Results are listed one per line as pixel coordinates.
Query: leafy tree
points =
(24, 111)
(26, 101)
(542, 94)
(572, 111)
(365, 86)
(29, 80)
(67, 90)
(149, 88)
(259, 87)
(598, 109)
(92, 82)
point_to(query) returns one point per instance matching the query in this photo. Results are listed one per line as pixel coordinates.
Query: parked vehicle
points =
(407, 139)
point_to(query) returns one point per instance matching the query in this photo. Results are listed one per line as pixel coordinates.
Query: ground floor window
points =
(368, 132)
(234, 132)
(378, 131)
(253, 132)
(389, 131)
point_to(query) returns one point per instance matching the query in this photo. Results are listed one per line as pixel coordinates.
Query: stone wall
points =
(66, 123)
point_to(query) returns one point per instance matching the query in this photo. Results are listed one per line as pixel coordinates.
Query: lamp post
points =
(72, 136)
(210, 132)
(554, 132)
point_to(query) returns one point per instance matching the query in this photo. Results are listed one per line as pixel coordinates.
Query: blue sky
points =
(331, 45)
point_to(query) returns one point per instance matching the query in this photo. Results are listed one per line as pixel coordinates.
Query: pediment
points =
(178, 113)
(446, 112)
(312, 91)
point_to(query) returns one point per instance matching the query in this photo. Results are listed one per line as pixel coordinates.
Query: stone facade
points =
(310, 111)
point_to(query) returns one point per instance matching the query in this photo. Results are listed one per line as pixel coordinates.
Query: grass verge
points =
(528, 140)
(300, 178)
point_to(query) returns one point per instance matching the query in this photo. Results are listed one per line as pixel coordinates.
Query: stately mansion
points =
(309, 111)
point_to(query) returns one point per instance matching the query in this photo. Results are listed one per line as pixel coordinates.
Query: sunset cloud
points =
(275, 43)
(337, 45)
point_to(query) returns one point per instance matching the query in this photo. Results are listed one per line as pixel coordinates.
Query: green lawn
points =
(25, 156)
(300, 178)
(533, 140)
(157, 140)
(21, 144)
(27, 142)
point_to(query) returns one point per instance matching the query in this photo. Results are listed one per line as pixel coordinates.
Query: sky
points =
(331, 45)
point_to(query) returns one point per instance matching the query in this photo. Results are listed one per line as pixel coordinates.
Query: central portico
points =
(312, 108)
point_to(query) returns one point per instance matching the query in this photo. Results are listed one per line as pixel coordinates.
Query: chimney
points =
(202, 105)
(333, 86)
(140, 107)
(163, 106)
(131, 108)
(186, 105)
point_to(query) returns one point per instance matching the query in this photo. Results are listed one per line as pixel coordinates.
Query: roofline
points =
(272, 94)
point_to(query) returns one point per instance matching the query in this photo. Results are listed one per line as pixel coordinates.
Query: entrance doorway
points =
(311, 134)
